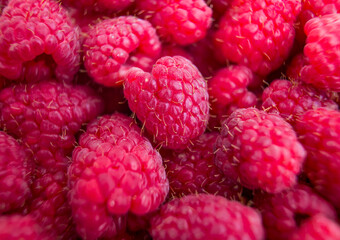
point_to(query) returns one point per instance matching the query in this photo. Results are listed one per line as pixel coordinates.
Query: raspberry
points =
(291, 99)
(46, 33)
(114, 171)
(319, 133)
(14, 227)
(259, 149)
(114, 45)
(311, 9)
(178, 21)
(282, 213)
(46, 116)
(15, 169)
(172, 101)
(258, 34)
(318, 227)
(204, 216)
(100, 5)
(219, 7)
(193, 171)
(322, 38)
(293, 71)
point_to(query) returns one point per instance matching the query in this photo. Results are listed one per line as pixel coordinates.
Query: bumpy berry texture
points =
(114, 171)
(228, 91)
(283, 213)
(260, 149)
(46, 116)
(45, 32)
(99, 5)
(178, 21)
(291, 99)
(204, 216)
(311, 9)
(171, 101)
(114, 45)
(322, 38)
(15, 177)
(295, 66)
(14, 227)
(316, 228)
(319, 133)
(258, 34)
(193, 171)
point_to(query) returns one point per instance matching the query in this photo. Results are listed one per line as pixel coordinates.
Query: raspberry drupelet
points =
(38, 41)
(319, 132)
(15, 177)
(193, 171)
(259, 149)
(114, 171)
(45, 116)
(205, 216)
(322, 41)
(112, 46)
(284, 212)
(177, 21)
(171, 101)
(257, 34)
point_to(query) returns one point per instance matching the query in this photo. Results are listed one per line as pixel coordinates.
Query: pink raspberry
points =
(259, 149)
(319, 133)
(258, 34)
(45, 37)
(193, 171)
(14, 227)
(171, 101)
(46, 116)
(178, 21)
(204, 216)
(311, 9)
(295, 66)
(114, 171)
(322, 38)
(283, 213)
(316, 228)
(15, 177)
(219, 7)
(114, 45)
(292, 99)
(100, 5)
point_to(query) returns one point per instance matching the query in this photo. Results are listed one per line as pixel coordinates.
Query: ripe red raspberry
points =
(258, 34)
(171, 101)
(31, 30)
(100, 5)
(114, 45)
(14, 227)
(178, 21)
(322, 38)
(319, 133)
(219, 7)
(291, 99)
(15, 177)
(204, 216)
(311, 9)
(114, 171)
(293, 71)
(193, 171)
(316, 228)
(283, 212)
(46, 116)
(260, 149)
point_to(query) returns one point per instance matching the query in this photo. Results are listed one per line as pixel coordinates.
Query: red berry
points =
(171, 101)
(114, 171)
(37, 40)
(112, 46)
(259, 149)
(204, 216)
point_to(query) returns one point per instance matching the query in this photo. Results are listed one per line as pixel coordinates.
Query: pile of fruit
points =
(169, 119)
